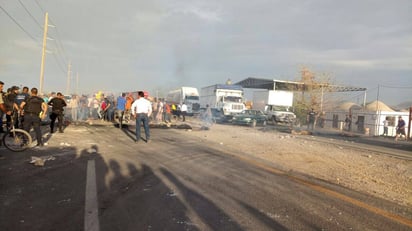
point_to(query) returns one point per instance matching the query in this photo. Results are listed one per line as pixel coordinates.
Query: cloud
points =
(163, 43)
(203, 14)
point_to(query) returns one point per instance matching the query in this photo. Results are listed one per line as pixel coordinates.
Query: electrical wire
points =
(28, 12)
(59, 45)
(42, 10)
(398, 87)
(59, 64)
(21, 27)
(41, 28)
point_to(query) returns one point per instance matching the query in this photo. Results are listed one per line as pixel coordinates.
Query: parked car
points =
(250, 117)
(280, 114)
(67, 98)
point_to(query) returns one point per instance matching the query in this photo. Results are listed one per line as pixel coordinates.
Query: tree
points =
(310, 93)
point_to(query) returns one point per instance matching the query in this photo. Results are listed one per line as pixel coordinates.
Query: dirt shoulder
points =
(370, 172)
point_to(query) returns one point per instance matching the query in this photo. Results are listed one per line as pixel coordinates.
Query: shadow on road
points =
(211, 215)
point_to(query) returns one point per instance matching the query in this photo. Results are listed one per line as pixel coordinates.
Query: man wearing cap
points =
(35, 110)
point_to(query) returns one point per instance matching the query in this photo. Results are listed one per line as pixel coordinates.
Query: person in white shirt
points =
(74, 105)
(385, 127)
(183, 108)
(141, 110)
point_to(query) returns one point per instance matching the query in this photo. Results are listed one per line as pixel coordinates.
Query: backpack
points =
(8, 101)
(33, 104)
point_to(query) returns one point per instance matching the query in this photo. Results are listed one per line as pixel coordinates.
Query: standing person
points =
(84, 110)
(208, 115)
(141, 110)
(105, 106)
(159, 114)
(57, 104)
(90, 106)
(24, 95)
(154, 109)
(74, 105)
(102, 109)
(385, 127)
(3, 108)
(129, 101)
(174, 110)
(178, 110)
(11, 105)
(35, 110)
(400, 128)
(348, 122)
(121, 107)
(183, 108)
(166, 112)
(110, 108)
(311, 119)
(95, 106)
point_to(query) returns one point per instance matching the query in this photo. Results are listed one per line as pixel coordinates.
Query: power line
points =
(59, 64)
(39, 6)
(400, 87)
(32, 37)
(28, 12)
(60, 44)
(14, 20)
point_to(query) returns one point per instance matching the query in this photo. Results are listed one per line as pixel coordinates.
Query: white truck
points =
(228, 99)
(188, 95)
(276, 104)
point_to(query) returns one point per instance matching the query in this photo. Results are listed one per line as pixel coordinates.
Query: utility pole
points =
(321, 99)
(77, 83)
(43, 56)
(377, 99)
(68, 78)
(409, 124)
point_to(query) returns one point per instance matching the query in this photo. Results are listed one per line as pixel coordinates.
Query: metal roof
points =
(272, 84)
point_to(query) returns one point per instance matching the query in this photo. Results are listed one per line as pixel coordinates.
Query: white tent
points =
(368, 119)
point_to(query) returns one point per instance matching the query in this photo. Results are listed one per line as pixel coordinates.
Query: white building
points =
(368, 119)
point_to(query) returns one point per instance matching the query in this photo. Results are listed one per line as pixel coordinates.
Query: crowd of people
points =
(27, 108)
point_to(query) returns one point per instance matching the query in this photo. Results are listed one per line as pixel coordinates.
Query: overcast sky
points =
(158, 45)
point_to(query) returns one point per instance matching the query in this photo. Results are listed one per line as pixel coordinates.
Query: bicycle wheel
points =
(17, 140)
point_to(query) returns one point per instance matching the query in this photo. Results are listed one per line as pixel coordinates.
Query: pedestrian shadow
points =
(38, 190)
(139, 200)
(210, 214)
(129, 133)
(132, 134)
(268, 221)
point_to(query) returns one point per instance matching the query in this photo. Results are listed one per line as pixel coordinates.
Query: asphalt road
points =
(101, 180)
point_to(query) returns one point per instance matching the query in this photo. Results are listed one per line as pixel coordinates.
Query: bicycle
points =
(16, 139)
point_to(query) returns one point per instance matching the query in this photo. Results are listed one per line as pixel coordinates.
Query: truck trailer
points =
(188, 95)
(228, 99)
(276, 104)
